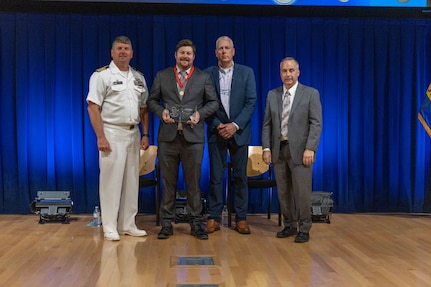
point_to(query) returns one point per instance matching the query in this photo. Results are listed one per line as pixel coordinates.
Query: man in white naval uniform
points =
(116, 104)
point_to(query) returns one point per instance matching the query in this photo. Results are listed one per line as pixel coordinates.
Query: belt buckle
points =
(283, 139)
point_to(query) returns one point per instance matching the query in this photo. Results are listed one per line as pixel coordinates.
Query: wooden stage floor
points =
(354, 250)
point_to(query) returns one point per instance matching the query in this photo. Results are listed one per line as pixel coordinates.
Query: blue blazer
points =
(242, 104)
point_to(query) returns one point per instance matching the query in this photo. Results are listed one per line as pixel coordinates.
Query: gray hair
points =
(123, 40)
(224, 38)
(289, 59)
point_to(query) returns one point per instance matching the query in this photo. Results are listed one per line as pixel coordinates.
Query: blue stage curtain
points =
(372, 74)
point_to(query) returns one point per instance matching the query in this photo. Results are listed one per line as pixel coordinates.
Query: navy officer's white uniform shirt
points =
(119, 94)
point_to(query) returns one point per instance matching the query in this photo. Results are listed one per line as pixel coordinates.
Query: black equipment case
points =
(321, 206)
(52, 206)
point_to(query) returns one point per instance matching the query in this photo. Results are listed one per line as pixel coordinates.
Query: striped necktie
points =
(285, 113)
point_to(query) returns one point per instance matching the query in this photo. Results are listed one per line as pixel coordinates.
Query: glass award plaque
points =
(181, 113)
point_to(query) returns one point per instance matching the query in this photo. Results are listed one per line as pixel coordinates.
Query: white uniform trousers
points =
(119, 179)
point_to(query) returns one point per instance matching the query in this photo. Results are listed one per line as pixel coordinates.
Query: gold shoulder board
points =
(103, 68)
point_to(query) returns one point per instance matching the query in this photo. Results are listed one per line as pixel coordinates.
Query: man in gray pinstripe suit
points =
(290, 137)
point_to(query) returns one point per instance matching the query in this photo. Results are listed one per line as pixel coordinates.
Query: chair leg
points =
(157, 206)
(229, 208)
(229, 211)
(269, 202)
(158, 190)
(229, 196)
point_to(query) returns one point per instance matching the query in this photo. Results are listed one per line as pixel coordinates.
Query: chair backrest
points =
(255, 164)
(147, 160)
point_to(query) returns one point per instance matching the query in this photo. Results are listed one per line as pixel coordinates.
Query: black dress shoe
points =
(286, 232)
(165, 232)
(197, 230)
(302, 237)
(199, 234)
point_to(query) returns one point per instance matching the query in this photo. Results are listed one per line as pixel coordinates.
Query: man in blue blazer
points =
(229, 129)
(290, 136)
(182, 97)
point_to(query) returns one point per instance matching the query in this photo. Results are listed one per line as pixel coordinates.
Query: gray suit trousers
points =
(170, 155)
(294, 185)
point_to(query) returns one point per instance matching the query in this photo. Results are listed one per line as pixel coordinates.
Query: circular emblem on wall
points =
(284, 2)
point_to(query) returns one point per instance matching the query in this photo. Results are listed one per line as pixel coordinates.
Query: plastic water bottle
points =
(224, 217)
(96, 216)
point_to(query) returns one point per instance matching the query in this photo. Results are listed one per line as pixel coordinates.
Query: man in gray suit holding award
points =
(290, 136)
(182, 97)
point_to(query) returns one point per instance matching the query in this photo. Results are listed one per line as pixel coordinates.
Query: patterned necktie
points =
(285, 113)
(183, 76)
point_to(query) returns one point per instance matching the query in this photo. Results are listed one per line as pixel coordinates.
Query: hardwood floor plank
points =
(354, 250)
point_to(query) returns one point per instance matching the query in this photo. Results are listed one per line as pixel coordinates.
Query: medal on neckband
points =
(181, 93)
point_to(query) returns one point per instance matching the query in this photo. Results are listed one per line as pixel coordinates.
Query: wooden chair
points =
(260, 176)
(148, 166)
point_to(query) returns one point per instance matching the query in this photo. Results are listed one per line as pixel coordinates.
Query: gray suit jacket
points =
(304, 125)
(199, 94)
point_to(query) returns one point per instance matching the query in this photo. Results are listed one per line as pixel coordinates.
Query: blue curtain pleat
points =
(372, 75)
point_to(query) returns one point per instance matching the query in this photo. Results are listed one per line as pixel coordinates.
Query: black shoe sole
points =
(301, 239)
(164, 235)
(285, 235)
(200, 236)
